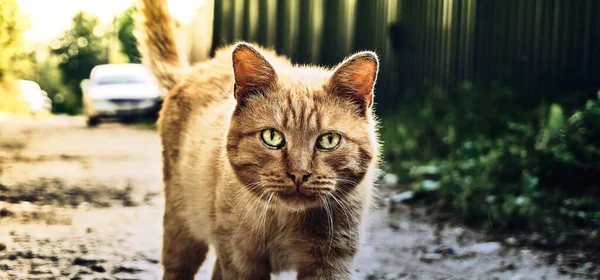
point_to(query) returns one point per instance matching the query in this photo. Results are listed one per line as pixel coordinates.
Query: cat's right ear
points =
(355, 78)
(252, 72)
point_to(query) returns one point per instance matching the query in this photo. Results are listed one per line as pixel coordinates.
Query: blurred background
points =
(489, 111)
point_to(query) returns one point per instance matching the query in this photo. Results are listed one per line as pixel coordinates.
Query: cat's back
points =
(192, 126)
(197, 99)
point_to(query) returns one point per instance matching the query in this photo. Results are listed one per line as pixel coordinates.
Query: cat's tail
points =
(156, 42)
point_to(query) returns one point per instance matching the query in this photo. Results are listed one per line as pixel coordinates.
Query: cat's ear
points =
(252, 72)
(356, 77)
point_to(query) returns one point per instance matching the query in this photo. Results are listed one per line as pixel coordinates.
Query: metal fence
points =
(428, 42)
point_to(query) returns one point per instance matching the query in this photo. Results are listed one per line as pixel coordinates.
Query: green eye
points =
(272, 138)
(328, 141)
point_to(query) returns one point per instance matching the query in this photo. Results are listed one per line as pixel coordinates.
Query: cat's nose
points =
(298, 177)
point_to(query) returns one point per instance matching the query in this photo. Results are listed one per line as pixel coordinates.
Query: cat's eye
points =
(328, 141)
(272, 138)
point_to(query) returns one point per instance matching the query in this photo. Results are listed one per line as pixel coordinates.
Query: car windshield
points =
(120, 79)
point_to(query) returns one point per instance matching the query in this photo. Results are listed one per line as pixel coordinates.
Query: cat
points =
(270, 163)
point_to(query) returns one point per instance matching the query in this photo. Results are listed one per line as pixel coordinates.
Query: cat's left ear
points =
(252, 72)
(356, 77)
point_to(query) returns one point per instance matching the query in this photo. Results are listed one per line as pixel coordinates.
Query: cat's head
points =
(302, 137)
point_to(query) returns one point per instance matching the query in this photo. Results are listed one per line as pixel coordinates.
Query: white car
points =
(120, 91)
(37, 100)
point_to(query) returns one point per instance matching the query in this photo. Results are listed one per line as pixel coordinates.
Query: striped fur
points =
(225, 188)
(156, 42)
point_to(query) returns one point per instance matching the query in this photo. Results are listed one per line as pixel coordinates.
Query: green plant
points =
(500, 158)
(79, 50)
(13, 57)
(125, 25)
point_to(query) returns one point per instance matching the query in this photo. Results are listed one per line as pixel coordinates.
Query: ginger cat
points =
(272, 164)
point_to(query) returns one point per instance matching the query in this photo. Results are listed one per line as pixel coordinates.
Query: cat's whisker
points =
(244, 207)
(240, 191)
(342, 207)
(342, 191)
(244, 196)
(349, 181)
(237, 193)
(248, 211)
(265, 217)
(352, 183)
(331, 230)
(323, 202)
(247, 197)
(330, 221)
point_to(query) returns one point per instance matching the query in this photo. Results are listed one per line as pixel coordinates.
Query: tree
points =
(125, 27)
(13, 58)
(80, 49)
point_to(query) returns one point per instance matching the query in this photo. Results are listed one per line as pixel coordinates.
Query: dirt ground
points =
(80, 203)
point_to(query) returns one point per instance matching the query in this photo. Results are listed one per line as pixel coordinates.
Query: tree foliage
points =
(13, 57)
(80, 49)
(125, 25)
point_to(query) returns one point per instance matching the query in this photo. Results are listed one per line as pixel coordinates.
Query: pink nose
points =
(298, 177)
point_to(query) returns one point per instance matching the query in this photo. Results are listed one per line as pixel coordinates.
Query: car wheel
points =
(128, 120)
(93, 121)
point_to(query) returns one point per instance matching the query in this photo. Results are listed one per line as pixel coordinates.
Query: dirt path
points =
(79, 203)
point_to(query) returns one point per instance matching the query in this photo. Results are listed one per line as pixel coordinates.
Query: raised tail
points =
(156, 42)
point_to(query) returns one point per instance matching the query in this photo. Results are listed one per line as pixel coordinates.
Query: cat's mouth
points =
(302, 194)
(297, 197)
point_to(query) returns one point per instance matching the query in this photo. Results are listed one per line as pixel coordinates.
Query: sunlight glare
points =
(50, 18)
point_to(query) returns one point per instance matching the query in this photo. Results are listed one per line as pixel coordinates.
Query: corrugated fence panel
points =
(250, 21)
(267, 22)
(310, 31)
(428, 42)
(338, 32)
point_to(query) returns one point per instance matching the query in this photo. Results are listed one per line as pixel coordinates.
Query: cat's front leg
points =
(331, 269)
(328, 262)
(240, 265)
